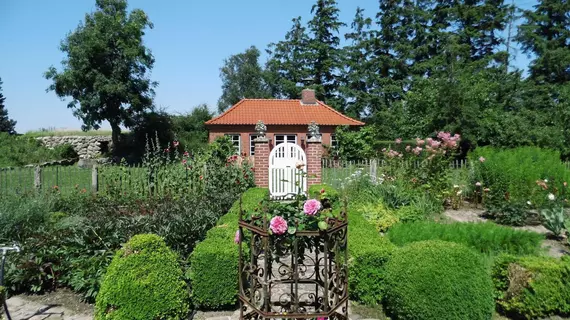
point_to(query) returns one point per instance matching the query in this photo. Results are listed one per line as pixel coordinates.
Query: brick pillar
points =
(261, 162)
(314, 155)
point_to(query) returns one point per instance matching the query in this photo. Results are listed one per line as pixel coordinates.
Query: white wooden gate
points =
(285, 179)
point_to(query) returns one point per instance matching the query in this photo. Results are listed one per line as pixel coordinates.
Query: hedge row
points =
(214, 262)
(532, 287)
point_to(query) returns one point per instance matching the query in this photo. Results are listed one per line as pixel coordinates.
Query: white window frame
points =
(252, 137)
(232, 138)
(334, 141)
(285, 136)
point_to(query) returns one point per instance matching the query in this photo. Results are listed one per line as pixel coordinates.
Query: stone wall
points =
(87, 147)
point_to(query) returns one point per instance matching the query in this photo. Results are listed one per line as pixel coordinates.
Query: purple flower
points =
(311, 207)
(278, 225)
(237, 238)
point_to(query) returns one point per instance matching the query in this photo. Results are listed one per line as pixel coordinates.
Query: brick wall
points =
(314, 153)
(261, 163)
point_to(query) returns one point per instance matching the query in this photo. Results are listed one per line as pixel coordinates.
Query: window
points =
(280, 138)
(334, 142)
(235, 138)
(252, 137)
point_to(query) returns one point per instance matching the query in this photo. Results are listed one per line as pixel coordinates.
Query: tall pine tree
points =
(6, 124)
(545, 33)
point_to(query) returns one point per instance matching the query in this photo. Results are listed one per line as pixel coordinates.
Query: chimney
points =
(308, 97)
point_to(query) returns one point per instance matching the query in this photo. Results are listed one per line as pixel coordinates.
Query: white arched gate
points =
(284, 178)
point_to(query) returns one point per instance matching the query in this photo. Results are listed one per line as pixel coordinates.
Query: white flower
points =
(545, 180)
(528, 202)
(551, 197)
(455, 186)
(459, 192)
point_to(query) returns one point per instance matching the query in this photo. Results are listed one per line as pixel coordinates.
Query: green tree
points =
(6, 124)
(545, 33)
(324, 51)
(190, 129)
(106, 71)
(288, 67)
(242, 77)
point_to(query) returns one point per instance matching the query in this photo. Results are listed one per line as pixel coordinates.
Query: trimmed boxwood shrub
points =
(214, 262)
(484, 237)
(532, 287)
(438, 280)
(144, 281)
(368, 254)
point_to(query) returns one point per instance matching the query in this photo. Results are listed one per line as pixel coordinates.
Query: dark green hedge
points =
(368, 252)
(214, 262)
(144, 281)
(532, 287)
(438, 280)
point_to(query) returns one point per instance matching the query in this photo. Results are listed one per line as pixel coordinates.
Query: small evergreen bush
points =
(532, 287)
(144, 281)
(368, 252)
(438, 280)
(484, 237)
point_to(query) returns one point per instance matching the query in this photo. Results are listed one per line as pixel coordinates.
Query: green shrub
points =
(484, 237)
(511, 174)
(532, 287)
(144, 281)
(438, 280)
(17, 151)
(332, 193)
(368, 254)
(379, 215)
(214, 262)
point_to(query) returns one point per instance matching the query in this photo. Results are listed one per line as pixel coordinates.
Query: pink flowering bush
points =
(425, 164)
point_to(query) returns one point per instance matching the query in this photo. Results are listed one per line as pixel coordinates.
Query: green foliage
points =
(379, 216)
(106, 69)
(6, 124)
(532, 287)
(554, 219)
(189, 128)
(438, 280)
(512, 176)
(214, 262)
(357, 144)
(22, 150)
(487, 237)
(242, 77)
(144, 281)
(368, 252)
(315, 192)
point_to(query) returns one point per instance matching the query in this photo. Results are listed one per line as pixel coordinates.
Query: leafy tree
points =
(190, 129)
(6, 124)
(106, 69)
(546, 34)
(242, 77)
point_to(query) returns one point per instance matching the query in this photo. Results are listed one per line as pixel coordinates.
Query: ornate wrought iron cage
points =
(303, 277)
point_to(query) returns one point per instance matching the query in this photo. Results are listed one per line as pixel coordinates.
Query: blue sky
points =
(190, 40)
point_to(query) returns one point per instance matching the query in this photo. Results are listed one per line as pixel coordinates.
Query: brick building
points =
(286, 120)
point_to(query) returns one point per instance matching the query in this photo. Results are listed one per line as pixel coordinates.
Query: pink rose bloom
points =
(321, 318)
(408, 148)
(323, 190)
(399, 140)
(417, 151)
(278, 225)
(237, 238)
(311, 207)
(420, 142)
(175, 143)
(481, 159)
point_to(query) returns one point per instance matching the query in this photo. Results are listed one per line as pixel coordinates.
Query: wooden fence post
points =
(373, 170)
(38, 178)
(94, 179)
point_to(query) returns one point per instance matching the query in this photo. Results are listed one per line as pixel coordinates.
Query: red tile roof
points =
(283, 112)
